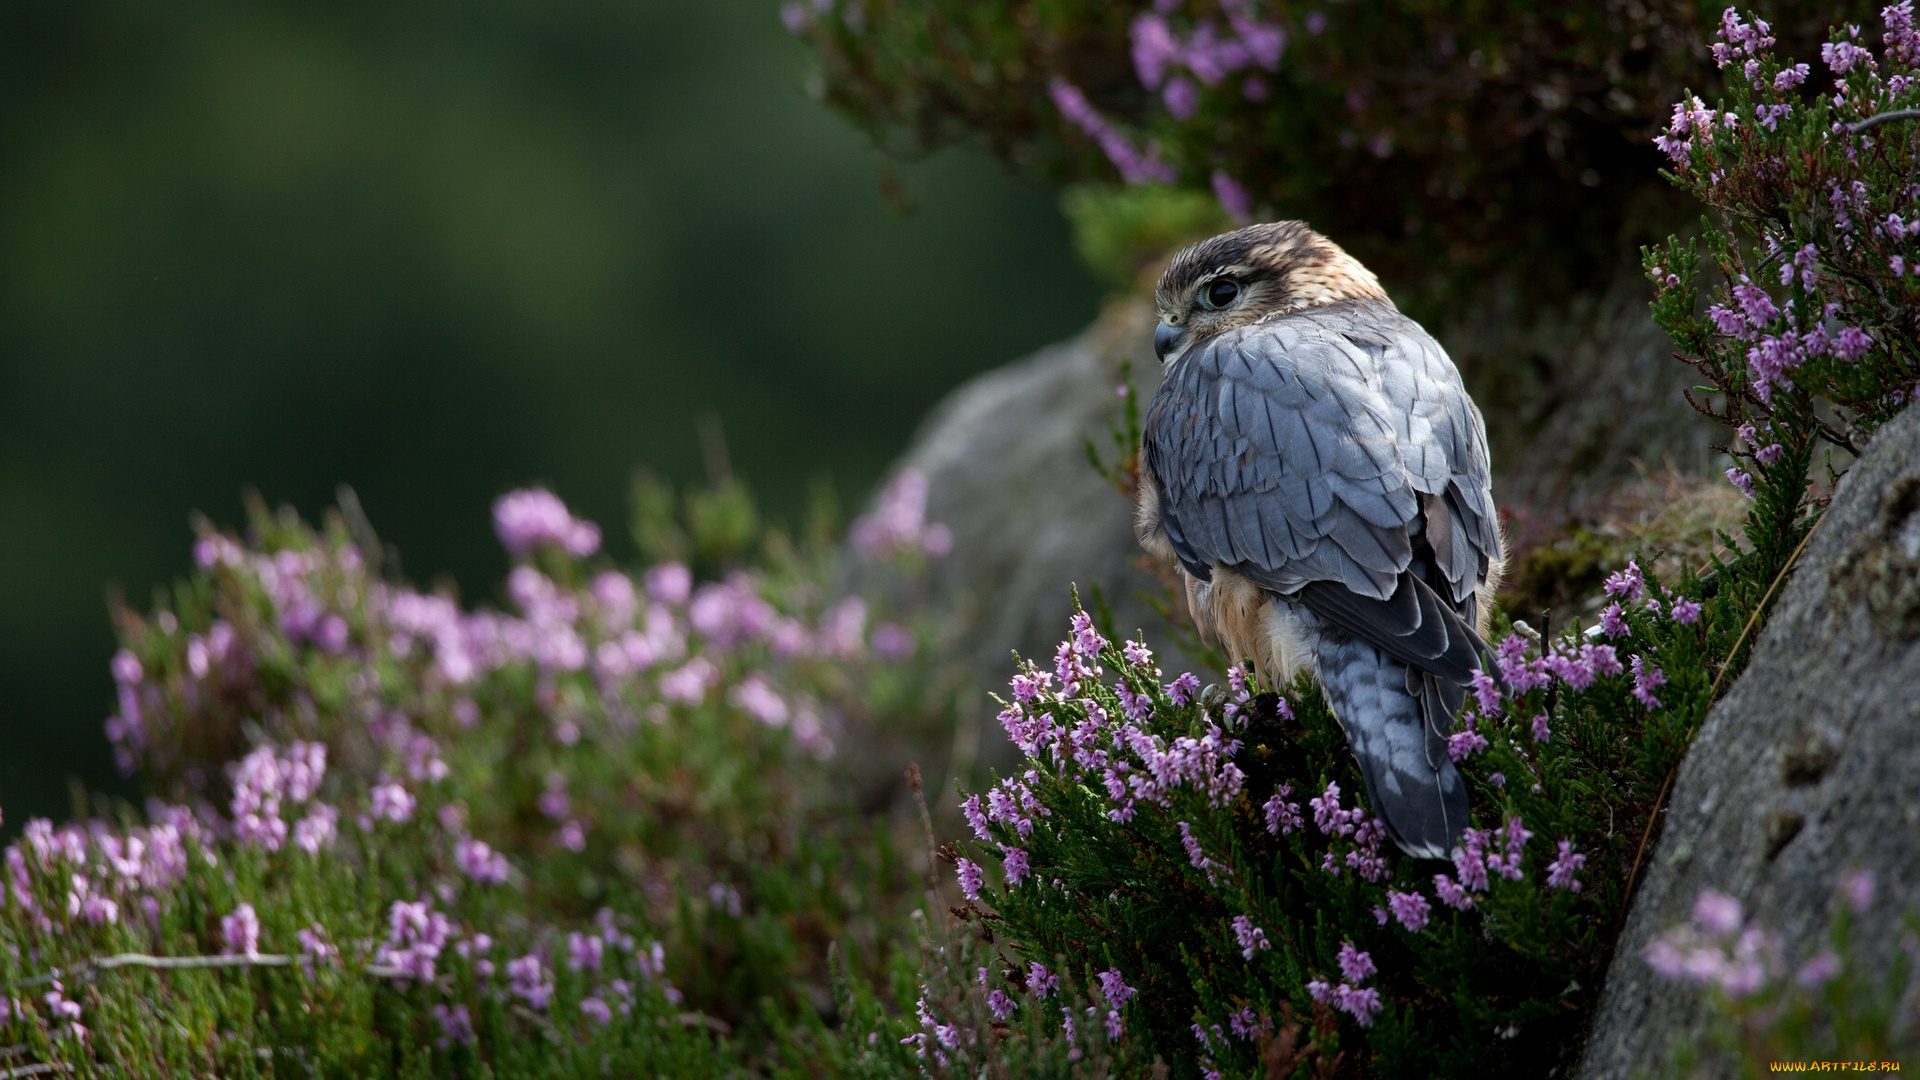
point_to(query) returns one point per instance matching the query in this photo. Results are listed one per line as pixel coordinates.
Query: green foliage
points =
(1123, 231)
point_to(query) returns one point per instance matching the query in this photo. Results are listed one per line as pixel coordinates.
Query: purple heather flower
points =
(1627, 585)
(975, 816)
(1154, 48)
(527, 979)
(1181, 97)
(315, 948)
(1113, 985)
(1233, 197)
(891, 641)
(1198, 856)
(970, 878)
(1134, 166)
(688, 685)
(756, 697)
(240, 932)
(1686, 612)
(1645, 678)
(391, 802)
(1329, 817)
(1360, 1004)
(1717, 913)
(531, 517)
(1000, 1004)
(1859, 888)
(1465, 744)
(1819, 970)
(1041, 981)
(1613, 622)
(1841, 56)
(1013, 862)
(584, 951)
(572, 835)
(1540, 731)
(1116, 1027)
(1561, 870)
(1410, 910)
(1282, 817)
(1790, 77)
(1850, 344)
(1452, 894)
(1183, 688)
(317, 830)
(1252, 939)
(596, 1011)
(1354, 964)
(670, 583)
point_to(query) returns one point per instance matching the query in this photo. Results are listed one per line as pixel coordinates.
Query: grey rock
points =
(1007, 471)
(1803, 772)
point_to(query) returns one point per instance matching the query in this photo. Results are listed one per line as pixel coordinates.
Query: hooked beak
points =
(1166, 338)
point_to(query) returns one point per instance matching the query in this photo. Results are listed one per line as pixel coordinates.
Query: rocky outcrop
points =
(1804, 771)
(1006, 464)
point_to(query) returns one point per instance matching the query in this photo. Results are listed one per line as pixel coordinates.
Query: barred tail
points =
(1396, 720)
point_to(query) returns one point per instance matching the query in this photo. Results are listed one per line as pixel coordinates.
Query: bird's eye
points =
(1221, 293)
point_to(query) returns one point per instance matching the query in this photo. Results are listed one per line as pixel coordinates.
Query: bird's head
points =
(1242, 277)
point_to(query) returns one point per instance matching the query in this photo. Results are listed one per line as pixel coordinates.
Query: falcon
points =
(1315, 466)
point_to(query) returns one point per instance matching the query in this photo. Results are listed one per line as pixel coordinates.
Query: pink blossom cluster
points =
(1646, 678)
(1208, 53)
(1364, 856)
(101, 874)
(530, 518)
(1409, 909)
(898, 521)
(1282, 817)
(1566, 863)
(1136, 167)
(1052, 716)
(262, 779)
(1361, 1004)
(416, 936)
(1252, 939)
(1198, 858)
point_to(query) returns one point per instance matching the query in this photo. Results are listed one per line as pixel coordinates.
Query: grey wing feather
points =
(1313, 449)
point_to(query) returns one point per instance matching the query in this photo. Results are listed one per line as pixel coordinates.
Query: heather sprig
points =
(1810, 174)
(1768, 1006)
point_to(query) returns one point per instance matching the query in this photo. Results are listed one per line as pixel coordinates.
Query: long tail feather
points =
(1397, 721)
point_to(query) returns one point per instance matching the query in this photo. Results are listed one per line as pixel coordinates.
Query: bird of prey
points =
(1316, 467)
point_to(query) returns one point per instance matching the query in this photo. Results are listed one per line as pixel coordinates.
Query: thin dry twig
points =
(87, 969)
(1884, 118)
(1659, 800)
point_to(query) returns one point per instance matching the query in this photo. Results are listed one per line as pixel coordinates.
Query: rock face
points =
(1804, 771)
(1007, 471)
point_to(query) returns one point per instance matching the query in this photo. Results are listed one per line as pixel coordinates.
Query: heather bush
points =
(1442, 143)
(598, 829)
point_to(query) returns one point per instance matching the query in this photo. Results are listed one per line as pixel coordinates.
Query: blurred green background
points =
(436, 250)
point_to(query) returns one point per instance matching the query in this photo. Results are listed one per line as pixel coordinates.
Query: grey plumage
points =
(1328, 453)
